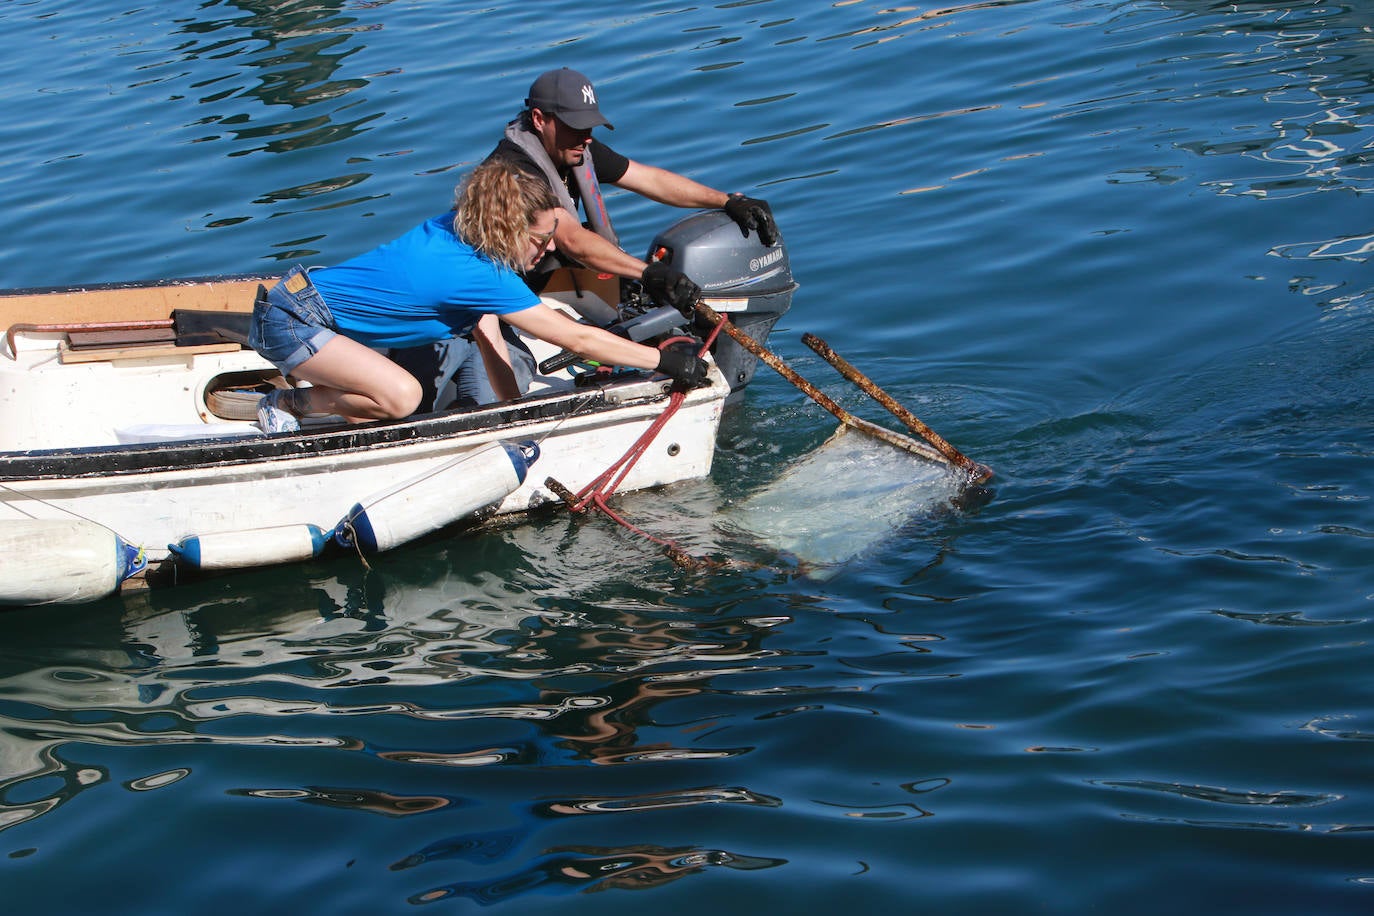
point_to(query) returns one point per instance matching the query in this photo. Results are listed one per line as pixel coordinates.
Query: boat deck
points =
(95, 370)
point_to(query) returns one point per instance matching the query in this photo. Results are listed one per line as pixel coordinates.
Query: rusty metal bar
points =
(811, 391)
(77, 327)
(977, 472)
(562, 492)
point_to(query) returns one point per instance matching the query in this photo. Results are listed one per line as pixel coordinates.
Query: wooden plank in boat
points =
(90, 340)
(68, 354)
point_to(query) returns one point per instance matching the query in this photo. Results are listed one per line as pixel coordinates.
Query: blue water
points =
(1117, 250)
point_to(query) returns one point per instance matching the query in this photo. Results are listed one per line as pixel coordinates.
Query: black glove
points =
(671, 287)
(751, 213)
(681, 364)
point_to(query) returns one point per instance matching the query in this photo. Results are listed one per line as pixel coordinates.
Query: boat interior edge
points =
(133, 458)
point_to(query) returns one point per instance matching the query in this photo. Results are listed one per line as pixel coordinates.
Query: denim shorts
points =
(291, 323)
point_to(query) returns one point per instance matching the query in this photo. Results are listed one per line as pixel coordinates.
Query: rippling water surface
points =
(1119, 251)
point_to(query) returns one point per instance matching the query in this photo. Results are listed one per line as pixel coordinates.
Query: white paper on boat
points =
(844, 498)
(170, 432)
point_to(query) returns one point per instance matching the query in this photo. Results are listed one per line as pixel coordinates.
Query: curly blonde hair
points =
(496, 205)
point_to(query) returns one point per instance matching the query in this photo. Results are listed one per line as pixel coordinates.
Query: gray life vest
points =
(588, 188)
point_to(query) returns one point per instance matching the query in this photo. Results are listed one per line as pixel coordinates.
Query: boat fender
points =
(63, 561)
(255, 547)
(429, 501)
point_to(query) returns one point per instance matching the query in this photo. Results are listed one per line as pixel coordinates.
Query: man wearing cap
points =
(552, 139)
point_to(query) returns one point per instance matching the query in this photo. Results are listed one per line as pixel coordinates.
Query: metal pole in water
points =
(977, 472)
(811, 391)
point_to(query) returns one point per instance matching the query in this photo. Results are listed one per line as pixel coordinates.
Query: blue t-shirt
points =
(428, 285)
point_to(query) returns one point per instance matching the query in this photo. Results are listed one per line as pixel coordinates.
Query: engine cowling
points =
(739, 276)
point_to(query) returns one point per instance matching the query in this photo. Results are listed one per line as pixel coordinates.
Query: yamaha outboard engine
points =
(739, 276)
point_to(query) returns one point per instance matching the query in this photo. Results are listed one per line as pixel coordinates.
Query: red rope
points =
(599, 490)
(606, 484)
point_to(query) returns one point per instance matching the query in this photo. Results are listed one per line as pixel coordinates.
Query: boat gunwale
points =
(120, 285)
(109, 461)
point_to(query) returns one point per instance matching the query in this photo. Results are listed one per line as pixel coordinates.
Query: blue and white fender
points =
(255, 547)
(63, 561)
(429, 501)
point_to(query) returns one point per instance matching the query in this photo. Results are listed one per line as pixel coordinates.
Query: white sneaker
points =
(272, 417)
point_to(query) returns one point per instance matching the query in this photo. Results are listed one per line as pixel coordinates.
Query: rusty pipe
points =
(977, 472)
(776, 363)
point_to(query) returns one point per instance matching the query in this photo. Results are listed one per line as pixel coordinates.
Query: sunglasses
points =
(542, 239)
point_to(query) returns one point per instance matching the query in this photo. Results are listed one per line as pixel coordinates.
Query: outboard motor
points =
(740, 276)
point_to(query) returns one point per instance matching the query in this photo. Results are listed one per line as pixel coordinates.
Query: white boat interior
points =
(138, 363)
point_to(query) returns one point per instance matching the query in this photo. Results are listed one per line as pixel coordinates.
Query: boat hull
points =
(154, 495)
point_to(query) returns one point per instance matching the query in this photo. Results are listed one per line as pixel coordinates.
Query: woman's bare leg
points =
(357, 383)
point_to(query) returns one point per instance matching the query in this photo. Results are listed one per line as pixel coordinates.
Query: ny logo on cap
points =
(588, 95)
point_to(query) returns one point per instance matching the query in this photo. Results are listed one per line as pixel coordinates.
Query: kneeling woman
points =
(440, 280)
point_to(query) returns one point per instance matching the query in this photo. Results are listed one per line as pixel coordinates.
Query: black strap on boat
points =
(195, 326)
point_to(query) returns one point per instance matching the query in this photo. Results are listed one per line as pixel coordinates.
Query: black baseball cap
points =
(569, 96)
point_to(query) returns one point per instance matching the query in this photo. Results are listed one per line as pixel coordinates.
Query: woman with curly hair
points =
(449, 276)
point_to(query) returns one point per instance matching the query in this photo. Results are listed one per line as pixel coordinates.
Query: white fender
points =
(62, 561)
(256, 547)
(429, 501)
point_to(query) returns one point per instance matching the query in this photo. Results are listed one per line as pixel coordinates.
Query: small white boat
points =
(129, 448)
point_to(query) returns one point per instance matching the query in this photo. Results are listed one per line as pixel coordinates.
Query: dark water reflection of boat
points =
(315, 656)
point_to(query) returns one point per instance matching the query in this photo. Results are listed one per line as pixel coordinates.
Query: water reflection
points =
(370, 800)
(1216, 795)
(882, 32)
(273, 662)
(281, 55)
(559, 665)
(308, 41)
(586, 869)
(1312, 68)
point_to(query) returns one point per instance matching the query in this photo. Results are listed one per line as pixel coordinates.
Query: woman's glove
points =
(751, 213)
(671, 287)
(681, 364)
